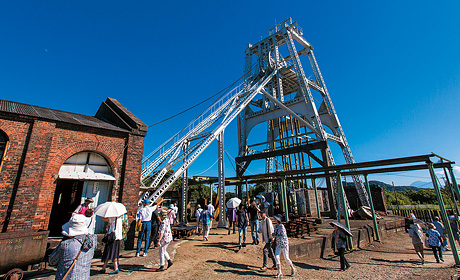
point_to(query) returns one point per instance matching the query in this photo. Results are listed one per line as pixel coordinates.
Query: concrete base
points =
(320, 247)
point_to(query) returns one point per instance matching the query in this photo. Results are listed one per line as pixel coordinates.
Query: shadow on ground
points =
(231, 246)
(240, 269)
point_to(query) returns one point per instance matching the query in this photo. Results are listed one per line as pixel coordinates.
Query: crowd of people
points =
(154, 224)
(435, 237)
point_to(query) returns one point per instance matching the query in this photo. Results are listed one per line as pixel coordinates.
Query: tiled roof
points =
(55, 115)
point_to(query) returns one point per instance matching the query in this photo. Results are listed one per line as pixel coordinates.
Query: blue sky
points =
(392, 68)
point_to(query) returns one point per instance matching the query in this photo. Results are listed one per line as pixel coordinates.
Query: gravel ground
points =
(219, 258)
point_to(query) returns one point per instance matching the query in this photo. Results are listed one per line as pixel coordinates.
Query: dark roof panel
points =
(55, 115)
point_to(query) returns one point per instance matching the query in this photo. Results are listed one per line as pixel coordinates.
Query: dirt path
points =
(219, 258)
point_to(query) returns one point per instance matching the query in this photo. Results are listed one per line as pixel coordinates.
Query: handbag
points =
(109, 237)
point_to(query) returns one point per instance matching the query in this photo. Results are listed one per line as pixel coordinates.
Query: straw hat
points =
(164, 213)
(89, 199)
(76, 226)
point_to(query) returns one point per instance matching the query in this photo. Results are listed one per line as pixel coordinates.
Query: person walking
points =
(112, 249)
(144, 216)
(434, 241)
(171, 215)
(189, 212)
(74, 255)
(417, 241)
(339, 242)
(442, 231)
(206, 220)
(156, 222)
(253, 211)
(242, 221)
(164, 240)
(176, 211)
(198, 221)
(211, 210)
(231, 217)
(266, 229)
(282, 246)
(454, 227)
(81, 209)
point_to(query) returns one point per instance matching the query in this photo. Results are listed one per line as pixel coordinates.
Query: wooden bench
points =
(181, 232)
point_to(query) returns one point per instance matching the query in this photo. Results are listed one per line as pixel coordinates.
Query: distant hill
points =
(423, 185)
(390, 187)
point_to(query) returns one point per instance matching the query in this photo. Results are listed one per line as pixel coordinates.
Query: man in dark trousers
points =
(156, 222)
(266, 229)
(253, 211)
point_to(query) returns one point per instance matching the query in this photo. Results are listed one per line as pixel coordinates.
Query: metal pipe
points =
(374, 220)
(344, 206)
(445, 220)
(313, 182)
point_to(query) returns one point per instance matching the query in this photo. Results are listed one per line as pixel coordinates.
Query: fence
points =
(426, 215)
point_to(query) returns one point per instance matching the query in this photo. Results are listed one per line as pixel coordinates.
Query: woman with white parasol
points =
(232, 204)
(111, 212)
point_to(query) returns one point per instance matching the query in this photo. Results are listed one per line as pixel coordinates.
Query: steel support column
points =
(444, 218)
(313, 182)
(183, 204)
(343, 207)
(221, 181)
(374, 220)
(284, 199)
(454, 182)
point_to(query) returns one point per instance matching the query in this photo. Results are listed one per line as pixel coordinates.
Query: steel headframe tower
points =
(288, 105)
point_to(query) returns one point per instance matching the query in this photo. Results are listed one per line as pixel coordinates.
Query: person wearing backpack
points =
(417, 241)
(206, 219)
(73, 256)
(197, 216)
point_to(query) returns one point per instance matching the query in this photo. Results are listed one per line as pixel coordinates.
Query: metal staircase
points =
(220, 114)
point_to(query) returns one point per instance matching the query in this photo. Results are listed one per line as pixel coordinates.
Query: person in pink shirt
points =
(81, 209)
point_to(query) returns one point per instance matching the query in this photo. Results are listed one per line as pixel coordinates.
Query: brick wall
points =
(40, 148)
(17, 133)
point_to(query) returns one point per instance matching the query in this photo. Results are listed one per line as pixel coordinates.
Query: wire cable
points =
(190, 108)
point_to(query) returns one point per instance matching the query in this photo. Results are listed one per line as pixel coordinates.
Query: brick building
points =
(52, 160)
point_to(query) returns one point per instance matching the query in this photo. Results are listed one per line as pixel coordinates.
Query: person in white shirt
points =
(198, 215)
(211, 210)
(112, 250)
(144, 216)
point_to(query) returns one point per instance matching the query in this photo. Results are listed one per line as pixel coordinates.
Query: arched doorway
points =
(83, 175)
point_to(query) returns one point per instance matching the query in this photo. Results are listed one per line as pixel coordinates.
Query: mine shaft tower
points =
(275, 91)
(288, 107)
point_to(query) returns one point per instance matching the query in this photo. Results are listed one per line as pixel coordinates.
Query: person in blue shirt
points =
(434, 241)
(206, 219)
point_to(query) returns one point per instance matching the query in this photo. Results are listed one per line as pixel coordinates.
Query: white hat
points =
(76, 226)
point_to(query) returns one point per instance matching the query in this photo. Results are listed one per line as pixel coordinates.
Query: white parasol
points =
(110, 210)
(233, 202)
